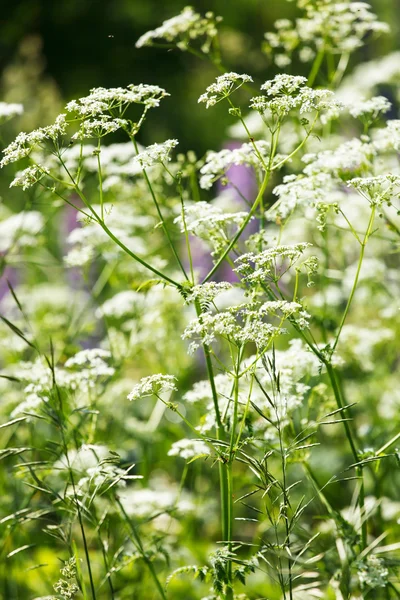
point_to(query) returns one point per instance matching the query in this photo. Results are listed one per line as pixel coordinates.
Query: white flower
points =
(182, 29)
(217, 163)
(153, 385)
(21, 230)
(211, 224)
(257, 268)
(8, 111)
(120, 305)
(285, 93)
(188, 449)
(24, 143)
(29, 177)
(102, 100)
(98, 128)
(207, 292)
(223, 87)
(336, 27)
(369, 110)
(156, 153)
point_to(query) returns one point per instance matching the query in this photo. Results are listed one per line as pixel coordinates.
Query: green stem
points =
(315, 68)
(139, 545)
(353, 289)
(165, 228)
(241, 229)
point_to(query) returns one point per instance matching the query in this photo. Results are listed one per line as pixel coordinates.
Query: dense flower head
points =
(329, 26)
(285, 93)
(217, 163)
(270, 264)
(101, 100)
(29, 176)
(183, 29)
(98, 127)
(223, 87)
(24, 143)
(210, 223)
(156, 153)
(242, 324)
(10, 110)
(369, 110)
(154, 385)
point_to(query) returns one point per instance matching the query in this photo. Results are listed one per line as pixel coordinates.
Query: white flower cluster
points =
(223, 87)
(154, 385)
(182, 29)
(292, 365)
(24, 143)
(307, 190)
(99, 127)
(240, 324)
(156, 153)
(285, 93)
(29, 176)
(350, 158)
(209, 223)
(79, 374)
(101, 100)
(121, 305)
(10, 110)
(207, 292)
(373, 572)
(271, 264)
(333, 27)
(217, 163)
(379, 189)
(189, 449)
(21, 230)
(369, 110)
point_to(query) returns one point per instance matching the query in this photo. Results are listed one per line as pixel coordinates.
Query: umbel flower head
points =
(223, 87)
(182, 29)
(154, 385)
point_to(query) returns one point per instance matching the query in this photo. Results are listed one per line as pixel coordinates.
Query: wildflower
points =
(369, 110)
(380, 189)
(285, 93)
(98, 128)
(207, 292)
(29, 177)
(188, 449)
(217, 163)
(257, 268)
(8, 111)
(372, 572)
(336, 27)
(211, 224)
(153, 385)
(102, 100)
(156, 153)
(224, 86)
(24, 143)
(183, 29)
(240, 324)
(21, 230)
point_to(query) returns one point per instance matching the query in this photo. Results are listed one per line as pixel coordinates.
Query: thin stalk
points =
(315, 67)
(219, 435)
(241, 229)
(139, 545)
(100, 181)
(356, 278)
(165, 228)
(115, 239)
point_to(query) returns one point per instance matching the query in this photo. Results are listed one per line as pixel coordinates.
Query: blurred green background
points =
(74, 45)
